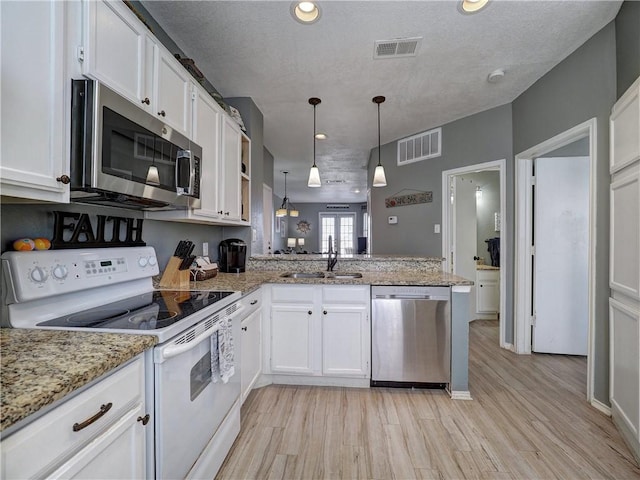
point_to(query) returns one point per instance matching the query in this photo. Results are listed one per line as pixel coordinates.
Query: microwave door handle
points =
(181, 155)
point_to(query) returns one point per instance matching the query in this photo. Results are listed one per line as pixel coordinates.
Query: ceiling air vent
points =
(399, 47)
(420, 147)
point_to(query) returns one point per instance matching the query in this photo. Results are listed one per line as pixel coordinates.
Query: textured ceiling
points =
(255, 49)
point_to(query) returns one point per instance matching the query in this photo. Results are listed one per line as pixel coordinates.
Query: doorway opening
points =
(525, 248)
(473, 199)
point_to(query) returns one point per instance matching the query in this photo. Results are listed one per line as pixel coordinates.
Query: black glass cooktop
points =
(149, 311)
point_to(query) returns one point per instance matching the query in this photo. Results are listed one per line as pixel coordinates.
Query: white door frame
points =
(267, 219)
(523, 234)
(447, 234)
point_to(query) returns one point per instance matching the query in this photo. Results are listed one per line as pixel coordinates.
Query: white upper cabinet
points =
(172, 91)
(35, 101)
(117, 50)
(230, 173)
(120, 52)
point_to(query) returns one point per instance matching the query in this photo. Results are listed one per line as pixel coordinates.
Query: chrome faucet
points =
(333, 256)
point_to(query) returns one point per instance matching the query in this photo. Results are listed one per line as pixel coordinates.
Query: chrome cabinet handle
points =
(162, 113)
(220, 212)
(244, 329)
(324, 312)
(310, 312)
(103, 409)
(64, 179)
(227, 213)
(146, 101)
(144, 419)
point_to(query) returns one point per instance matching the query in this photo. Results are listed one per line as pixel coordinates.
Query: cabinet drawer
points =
(292, 293)
(42, 445)
(346, 294)
(252, 302)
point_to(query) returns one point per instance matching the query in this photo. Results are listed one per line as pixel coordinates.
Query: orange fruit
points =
(23, 244)
(42, 243)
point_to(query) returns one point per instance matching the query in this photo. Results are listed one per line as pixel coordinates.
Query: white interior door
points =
(561, 260)
(464, 236)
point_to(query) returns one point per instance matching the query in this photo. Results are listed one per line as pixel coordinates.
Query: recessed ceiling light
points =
(321, 136)
(495, 76)
(305, 12)
(472, 6)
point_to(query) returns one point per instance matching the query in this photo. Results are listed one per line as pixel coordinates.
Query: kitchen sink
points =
(343, 276)
(303, 275)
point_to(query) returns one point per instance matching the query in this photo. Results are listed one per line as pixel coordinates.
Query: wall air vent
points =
(399, 47)
(420, 147)
(337, 206)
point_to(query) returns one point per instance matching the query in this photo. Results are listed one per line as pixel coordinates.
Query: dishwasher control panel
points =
(409, 291)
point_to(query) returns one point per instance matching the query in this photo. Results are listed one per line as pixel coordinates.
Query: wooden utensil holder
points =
(173, 277)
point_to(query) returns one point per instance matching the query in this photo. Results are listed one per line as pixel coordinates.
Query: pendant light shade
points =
(314, 173)
(286, 208)
(379, 178)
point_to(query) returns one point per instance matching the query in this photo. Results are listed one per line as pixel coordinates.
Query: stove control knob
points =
(142, 261)
(38, 275)
(152, 261)
(60, 272)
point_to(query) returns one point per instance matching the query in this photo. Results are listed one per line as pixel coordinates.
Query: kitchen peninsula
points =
(268, 270)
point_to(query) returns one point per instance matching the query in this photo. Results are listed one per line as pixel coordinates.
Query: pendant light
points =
(286, 208)
(379, 178)
(314, 173)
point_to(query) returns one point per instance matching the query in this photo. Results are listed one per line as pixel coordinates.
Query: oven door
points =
(189, 406)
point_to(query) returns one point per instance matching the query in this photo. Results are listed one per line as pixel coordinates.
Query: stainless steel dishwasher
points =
(411, 336)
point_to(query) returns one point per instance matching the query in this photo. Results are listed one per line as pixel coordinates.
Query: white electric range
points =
(196, 412)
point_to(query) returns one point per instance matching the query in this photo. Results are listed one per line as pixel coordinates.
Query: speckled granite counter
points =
(486, 267)
(357, 263)
(251, 280)
(38, 367)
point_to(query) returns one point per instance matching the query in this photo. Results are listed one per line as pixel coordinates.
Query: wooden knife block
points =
(174, 278)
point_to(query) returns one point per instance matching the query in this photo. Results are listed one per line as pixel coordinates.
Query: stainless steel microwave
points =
(123, 156)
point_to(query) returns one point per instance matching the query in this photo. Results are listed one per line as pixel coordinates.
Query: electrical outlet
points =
(205, 249)
(254, 235)
(393, 220)
(436, 228)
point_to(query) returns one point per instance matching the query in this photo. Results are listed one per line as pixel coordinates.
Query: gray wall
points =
(37, 221)
(479, 138)
(627, 45)
(581, 87)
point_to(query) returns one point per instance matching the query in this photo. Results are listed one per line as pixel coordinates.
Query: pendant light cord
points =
(314, 135)
(379, 163)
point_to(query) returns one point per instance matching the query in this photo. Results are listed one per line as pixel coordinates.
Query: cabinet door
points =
(488, 292)
(117, 453)
(251, 348)
(35, 101)
(172, 91)
(206, 129)
(115, 45)
(345, 341)
(291, 338)
(230, 173)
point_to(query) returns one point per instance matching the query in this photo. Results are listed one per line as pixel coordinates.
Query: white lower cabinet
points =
(488, 292)
(319, 330)
(251, 343)
(98, 433)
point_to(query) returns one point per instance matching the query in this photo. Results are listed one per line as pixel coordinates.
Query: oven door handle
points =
(176, 349)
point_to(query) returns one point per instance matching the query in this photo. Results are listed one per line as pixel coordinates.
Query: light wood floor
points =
(529, 419)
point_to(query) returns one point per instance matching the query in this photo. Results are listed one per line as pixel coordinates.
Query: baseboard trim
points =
(509, 346)
(598, 405)
(626, 430)
(461, 395)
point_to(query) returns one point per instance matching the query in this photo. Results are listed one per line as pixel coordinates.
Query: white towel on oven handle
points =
(222, 353)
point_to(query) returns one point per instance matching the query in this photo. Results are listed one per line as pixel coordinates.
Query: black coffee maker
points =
(232, 255)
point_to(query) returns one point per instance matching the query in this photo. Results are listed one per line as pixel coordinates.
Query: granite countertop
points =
(251, 280)
(39, 367)
(486, 267)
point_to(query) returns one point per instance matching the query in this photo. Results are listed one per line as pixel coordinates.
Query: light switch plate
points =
(436, 228)
(393, 220)
(205, 249)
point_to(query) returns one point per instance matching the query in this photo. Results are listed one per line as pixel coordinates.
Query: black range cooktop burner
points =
(149, 311)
